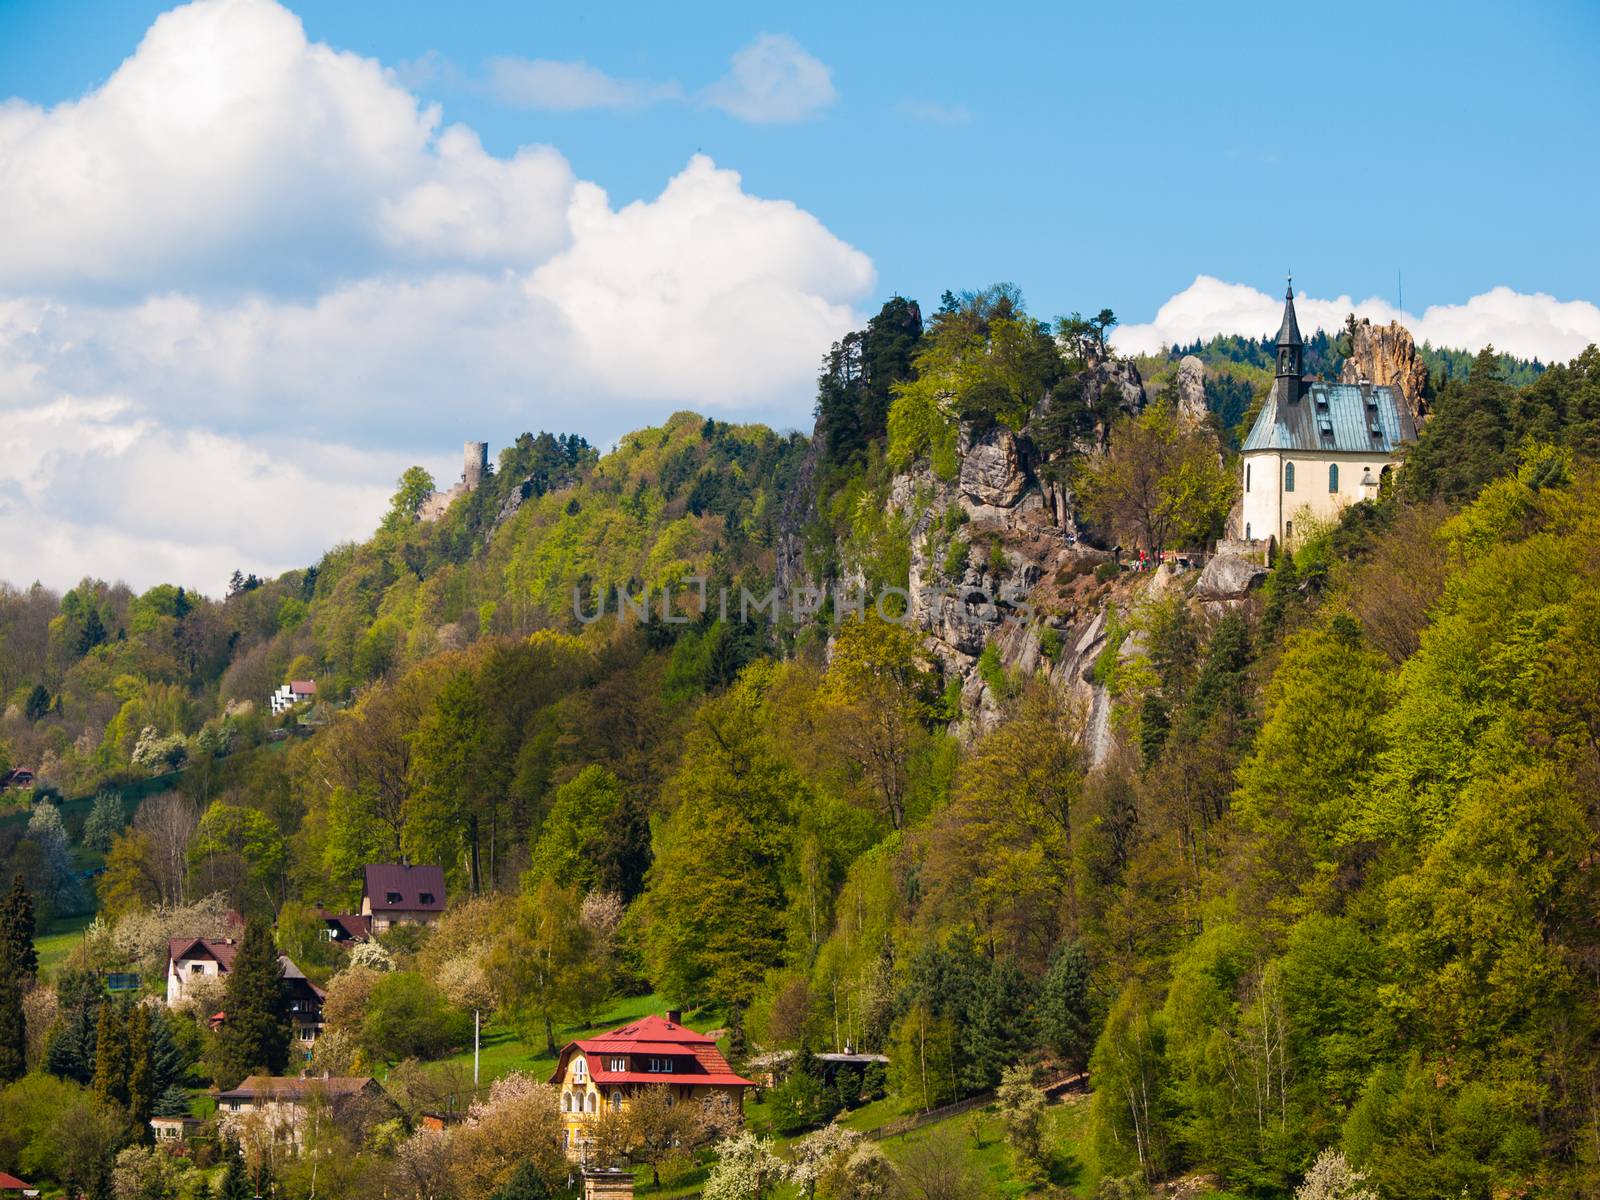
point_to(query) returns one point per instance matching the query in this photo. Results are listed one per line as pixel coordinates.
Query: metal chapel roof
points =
(1344, 418)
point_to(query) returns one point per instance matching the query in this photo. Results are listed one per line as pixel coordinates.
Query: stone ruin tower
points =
(474, 464)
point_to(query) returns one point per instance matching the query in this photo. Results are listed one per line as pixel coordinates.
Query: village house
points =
(603, 1073)
(343, 929)
(192, 960)
(285, 1102)
(172, 1131)
(400, 894)
(10, 1185)
(17, 777)
(1316, 448)
(296, 691)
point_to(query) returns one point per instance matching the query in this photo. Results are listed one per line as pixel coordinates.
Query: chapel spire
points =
(1290, 345)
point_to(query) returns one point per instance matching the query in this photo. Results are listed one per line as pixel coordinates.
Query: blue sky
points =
(261, 255)
(1093, 154)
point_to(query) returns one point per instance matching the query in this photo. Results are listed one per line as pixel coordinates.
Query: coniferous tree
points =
(202, 1190)
(1064, 1015)
(525, 1184)
(235, 1182)
(141, 1067)
(13, 1029)
(17, 950)
(71, 1054)
(255, 1027)
(111, 1054)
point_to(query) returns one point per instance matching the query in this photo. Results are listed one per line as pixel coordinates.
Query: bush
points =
(1050, 643)
(1107, 570)
(955, 559)
(407, 1017)
(992, 672)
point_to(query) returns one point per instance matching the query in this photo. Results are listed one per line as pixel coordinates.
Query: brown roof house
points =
(277, 1107)
(192, 960)
(399, 894)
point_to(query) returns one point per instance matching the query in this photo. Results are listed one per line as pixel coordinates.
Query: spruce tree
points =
(141, 1068)
(17, 950)
(255, 1027)
(79, 999)
(235, 1183)
(13, 1030)
(111, 1054)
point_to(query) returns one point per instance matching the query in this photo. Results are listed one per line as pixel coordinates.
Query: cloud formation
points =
(250, 278)
(1528, 326)
(772, 80)
(554, 86)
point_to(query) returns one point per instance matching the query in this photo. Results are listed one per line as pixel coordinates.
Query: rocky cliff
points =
(1386, 355)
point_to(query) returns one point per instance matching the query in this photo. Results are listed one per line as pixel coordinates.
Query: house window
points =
(593, 1101)
(426, 897)
(1247, 531)
(1288, 477)
(392, 897)
(1288, 530)
(661, 1065)
(1333, 477)
(1247, 477)
(578, 1069)
(329, 934)
(616, 1101)
(619, 1064)
(566, 1101)
(197, 968)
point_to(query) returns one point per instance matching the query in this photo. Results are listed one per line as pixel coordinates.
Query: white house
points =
(1316, 447)
(294, 692)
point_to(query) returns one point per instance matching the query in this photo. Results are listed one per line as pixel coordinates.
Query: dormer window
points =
(661, 1065)
(426, 897)
(618, 1064)
(392, 897)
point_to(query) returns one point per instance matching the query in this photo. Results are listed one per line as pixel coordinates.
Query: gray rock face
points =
(1191, 390)
(991, 469)
(1229, 577)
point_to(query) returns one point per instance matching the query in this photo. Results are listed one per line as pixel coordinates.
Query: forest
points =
(1320, 922)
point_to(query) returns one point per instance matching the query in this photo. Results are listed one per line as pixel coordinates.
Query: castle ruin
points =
(474, 466)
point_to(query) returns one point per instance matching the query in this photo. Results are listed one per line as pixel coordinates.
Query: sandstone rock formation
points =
(1386, 355)
(1229, 577)
(991, 468)
(1191, 391)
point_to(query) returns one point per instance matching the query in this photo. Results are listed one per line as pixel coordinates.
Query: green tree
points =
(13, 1028)
(1065, 1017)
(18, 954)
(525, 1184)
(255, 1029)
(111, 1054)
(104, 822)
(234, 834)
(413, 488)
(1160, 485)
(572, 839)
(407, 1017)
(141, 1068)
(547, 964)
(713, 911)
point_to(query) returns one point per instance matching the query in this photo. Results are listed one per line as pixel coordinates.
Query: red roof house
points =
(604, 1072)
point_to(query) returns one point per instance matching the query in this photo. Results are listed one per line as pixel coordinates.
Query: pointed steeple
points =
(1290, 346)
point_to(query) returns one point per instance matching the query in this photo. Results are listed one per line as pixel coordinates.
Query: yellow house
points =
(604, 1073)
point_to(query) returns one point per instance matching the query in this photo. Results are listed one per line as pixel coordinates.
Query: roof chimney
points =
(675, 1016)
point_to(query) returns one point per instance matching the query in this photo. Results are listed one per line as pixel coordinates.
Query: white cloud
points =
(250, 278)
(949, 115)
(1529, 326)
(569, 86)
(772, 80)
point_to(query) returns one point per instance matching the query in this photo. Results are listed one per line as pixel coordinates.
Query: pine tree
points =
(235, 1183)
(255, 1028)
(111, 1055)
(79, 1000)
(141, 1067)
(17, 951)
(13, 1030)
(1064, 1012)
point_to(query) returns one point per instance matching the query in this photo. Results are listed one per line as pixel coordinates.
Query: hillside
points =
(1291, 860)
